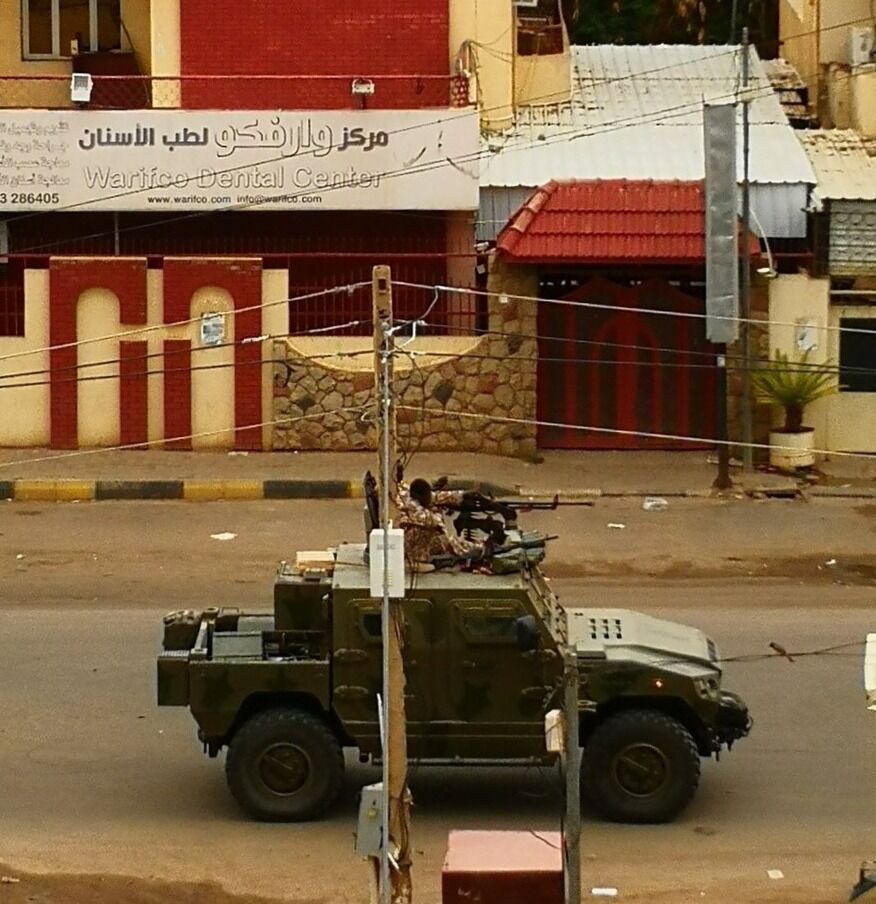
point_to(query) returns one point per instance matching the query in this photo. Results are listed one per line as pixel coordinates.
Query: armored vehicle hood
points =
(622, 634)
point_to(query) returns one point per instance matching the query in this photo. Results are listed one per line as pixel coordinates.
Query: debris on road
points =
(830, 562)
(775, 874)
(603, 892)
(9, 880)
(655, 504)
(20, 556)
(225, 535)
(615, 525)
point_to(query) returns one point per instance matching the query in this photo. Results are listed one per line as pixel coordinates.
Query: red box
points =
(503, 868)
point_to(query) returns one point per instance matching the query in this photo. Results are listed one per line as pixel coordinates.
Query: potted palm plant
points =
(792, 386)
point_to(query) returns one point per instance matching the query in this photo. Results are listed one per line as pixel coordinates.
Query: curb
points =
(38, 490)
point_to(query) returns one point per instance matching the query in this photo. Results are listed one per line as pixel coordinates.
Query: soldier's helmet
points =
(421, 492)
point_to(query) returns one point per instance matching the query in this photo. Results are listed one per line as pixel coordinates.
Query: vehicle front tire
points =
(640, 766)
(285, 765)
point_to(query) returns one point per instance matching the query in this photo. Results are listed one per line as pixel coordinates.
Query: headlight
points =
(708, 688)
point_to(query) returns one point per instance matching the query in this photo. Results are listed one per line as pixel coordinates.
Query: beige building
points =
(831, 44)
(144, 326)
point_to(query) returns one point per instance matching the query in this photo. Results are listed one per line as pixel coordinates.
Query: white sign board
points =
(191, 160)
(212, 329)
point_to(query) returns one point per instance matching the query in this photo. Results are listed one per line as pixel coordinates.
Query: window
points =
(488, 622)
(49, 26)
(858, 354)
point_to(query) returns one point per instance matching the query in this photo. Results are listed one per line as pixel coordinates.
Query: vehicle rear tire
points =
(640, 766)
(285, 765)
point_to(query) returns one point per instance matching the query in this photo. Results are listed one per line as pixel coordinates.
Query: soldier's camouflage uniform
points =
(426, 533)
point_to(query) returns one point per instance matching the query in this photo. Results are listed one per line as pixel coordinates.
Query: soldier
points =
(421, 517)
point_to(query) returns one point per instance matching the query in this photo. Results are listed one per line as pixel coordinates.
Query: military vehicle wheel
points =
(640, 766)
(284, 765)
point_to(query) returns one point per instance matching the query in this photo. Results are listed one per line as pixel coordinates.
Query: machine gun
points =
(478, 512)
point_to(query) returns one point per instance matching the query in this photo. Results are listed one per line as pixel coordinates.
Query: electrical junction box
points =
(396, 563)
(369, 834)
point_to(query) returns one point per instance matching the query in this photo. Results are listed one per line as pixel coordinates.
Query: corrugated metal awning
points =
(637, 113)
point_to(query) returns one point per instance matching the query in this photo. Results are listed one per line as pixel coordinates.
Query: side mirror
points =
(527, 633)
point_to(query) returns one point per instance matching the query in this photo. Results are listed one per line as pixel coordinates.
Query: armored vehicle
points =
(287, 692)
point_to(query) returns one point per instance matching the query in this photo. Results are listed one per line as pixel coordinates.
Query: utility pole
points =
(572, 825)
(395, 884)
(745, 281)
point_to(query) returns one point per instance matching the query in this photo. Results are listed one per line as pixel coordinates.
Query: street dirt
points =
(29, 888)
(106, 798)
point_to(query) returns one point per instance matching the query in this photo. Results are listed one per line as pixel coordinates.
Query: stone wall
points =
(452, 392)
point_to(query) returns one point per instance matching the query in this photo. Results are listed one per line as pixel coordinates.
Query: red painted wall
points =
(407, 38)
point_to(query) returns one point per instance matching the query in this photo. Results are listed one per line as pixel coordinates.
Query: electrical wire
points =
(573, 134)
(615, 431)
(591, 305)
(176, 439)
(136, 331)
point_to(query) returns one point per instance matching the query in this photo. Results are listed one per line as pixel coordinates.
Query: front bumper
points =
(733, 720)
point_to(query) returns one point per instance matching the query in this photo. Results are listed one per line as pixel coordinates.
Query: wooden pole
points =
(396, 887)
(572, 824)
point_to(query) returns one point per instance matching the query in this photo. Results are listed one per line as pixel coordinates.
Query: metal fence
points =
(236, 92)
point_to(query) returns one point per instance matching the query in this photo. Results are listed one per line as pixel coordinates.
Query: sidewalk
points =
(311, 475)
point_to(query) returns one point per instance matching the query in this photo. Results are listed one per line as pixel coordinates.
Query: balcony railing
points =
(236, 92)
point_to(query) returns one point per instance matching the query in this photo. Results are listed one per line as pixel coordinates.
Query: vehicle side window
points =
(488, 623)
(372, 625)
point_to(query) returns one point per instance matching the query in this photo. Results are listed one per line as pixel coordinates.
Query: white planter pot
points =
(795, 452)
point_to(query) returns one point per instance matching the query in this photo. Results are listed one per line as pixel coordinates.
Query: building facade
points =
(179, 181)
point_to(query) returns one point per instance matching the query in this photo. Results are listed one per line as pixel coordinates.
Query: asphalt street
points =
(96, 779)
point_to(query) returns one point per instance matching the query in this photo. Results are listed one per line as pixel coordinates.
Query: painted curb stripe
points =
(139, 489)
(307, 489)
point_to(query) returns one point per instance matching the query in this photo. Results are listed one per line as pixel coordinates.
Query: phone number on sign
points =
(29, 198)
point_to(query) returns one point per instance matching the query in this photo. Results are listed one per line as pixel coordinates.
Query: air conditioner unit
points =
(81, 84)
(862, 46)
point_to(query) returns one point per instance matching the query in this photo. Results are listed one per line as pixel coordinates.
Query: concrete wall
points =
(25, 420)
(815, 38)
(137, 31)
(165, 36)
(19, 93)
(798, 301)
(483, 35)
(850, 416)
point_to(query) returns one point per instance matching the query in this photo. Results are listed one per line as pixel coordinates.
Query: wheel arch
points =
(260, 701)
(670, 706)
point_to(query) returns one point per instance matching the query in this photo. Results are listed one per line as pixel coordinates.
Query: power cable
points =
(175, 439)
(572, 134)
(627, 309)
(642, 434)
(165, 326)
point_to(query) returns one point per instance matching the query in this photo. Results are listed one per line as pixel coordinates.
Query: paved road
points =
(95, 778)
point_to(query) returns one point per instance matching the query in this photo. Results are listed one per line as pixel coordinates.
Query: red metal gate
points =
(625, 371)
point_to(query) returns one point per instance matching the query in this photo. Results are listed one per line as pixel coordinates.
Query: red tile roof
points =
(610, 222)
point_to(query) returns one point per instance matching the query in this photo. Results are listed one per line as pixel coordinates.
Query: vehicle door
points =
(498, 693)
(357, 672)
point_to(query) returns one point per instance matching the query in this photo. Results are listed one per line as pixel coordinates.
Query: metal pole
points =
(572, 828)
(734, 15)
(745, 281)
(722, 480)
